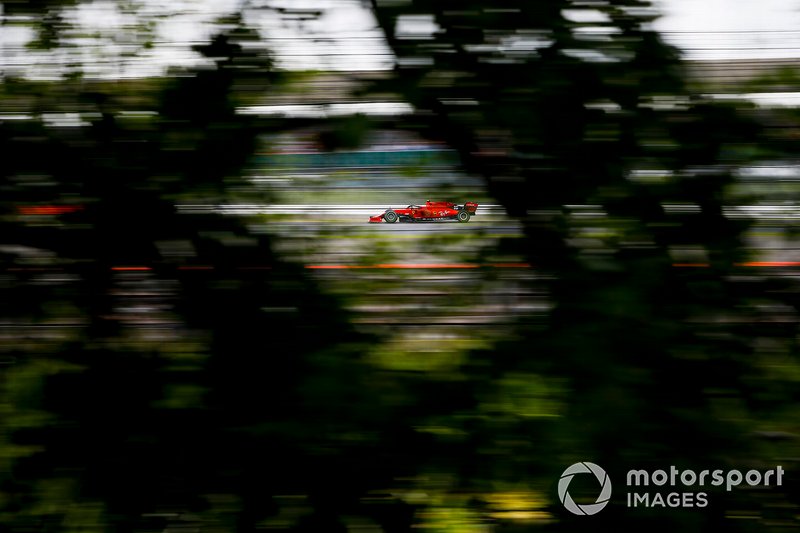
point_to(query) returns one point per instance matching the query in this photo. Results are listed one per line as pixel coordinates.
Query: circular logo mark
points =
(584, 468)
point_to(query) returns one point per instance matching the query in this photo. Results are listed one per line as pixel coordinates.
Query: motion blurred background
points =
(200, 331)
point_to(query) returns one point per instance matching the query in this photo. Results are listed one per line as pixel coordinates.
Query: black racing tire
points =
(390, 216)
(463, 216)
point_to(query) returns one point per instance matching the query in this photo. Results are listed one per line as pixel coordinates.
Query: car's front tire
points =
(390, 217)
(463, 216)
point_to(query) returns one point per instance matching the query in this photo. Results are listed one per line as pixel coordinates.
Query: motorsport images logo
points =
(584, 468)
(661, 488)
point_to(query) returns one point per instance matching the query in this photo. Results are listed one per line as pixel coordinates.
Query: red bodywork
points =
(431, 211)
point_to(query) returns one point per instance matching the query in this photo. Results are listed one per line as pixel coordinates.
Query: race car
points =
(429, 212)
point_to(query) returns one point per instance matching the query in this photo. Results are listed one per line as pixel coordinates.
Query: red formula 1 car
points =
(429, 212)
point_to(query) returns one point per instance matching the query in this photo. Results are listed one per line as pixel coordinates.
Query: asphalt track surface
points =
(413, 277)
(411, 282)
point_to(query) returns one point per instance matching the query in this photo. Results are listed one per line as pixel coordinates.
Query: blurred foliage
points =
(167, 371)
(345, 133)
(156, 376)
(578, 117)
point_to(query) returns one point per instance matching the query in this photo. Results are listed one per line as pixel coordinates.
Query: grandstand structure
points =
(332, 93)
(735, 75)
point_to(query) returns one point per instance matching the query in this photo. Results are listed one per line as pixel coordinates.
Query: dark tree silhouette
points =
(586, 132)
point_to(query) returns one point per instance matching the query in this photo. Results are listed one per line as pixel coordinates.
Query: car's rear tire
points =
(390, 217)
(463, 216)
